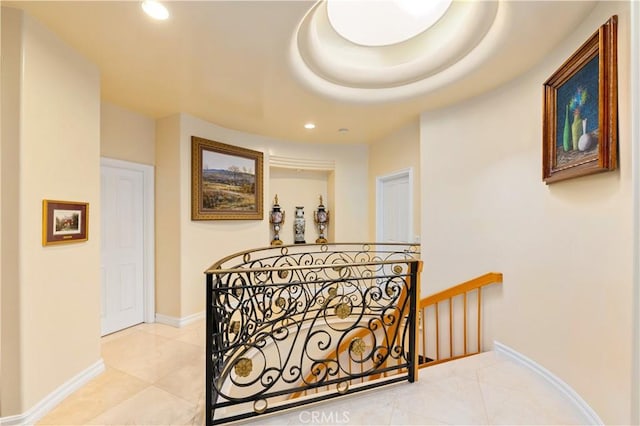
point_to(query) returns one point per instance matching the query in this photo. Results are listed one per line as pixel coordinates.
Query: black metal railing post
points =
(413, 317)
(208, 406)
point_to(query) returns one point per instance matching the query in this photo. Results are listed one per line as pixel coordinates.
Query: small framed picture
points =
(64, 222)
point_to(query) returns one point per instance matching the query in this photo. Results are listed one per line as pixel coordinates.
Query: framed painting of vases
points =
(580, 116)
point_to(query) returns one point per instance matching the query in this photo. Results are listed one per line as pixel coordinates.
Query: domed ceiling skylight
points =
(384, 50)
(383, 22)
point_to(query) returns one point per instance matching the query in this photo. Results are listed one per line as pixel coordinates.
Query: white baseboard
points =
(35, 413)
(558, 383)
(179, 322)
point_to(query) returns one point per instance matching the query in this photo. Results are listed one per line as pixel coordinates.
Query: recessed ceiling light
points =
(343, 130)
(309, 126)
(155, 9)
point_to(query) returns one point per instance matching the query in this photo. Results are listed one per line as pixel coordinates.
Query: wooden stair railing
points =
(432, 305)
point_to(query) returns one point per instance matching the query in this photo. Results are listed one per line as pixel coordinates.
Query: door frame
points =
(380, 180)
(148, 231)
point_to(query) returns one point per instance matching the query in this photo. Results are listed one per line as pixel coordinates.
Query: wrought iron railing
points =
(286, 325)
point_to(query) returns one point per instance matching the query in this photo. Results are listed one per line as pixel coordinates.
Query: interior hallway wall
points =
(197, 244)
(10, 363)
(58, 157)
(398, 151)
(168, 230)
(565, 249)
(126, 135)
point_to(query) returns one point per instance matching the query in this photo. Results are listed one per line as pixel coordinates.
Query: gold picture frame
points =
(580, 116)
(64, 222)
(226, 181)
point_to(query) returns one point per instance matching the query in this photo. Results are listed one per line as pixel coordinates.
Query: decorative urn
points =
(321, 217)
(276, 218)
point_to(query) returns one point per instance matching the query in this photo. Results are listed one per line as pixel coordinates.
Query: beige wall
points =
(564, 249)
(398, 151)
(167, 219)
(10, 362)
(59, 157)
(126, 135)
(197, 244)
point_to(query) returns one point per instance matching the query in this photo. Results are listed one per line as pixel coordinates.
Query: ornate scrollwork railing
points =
(291, 325)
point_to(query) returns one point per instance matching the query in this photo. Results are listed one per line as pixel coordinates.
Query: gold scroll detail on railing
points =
(431, 307)
(463, 291)
(360, 336)
(275, 317)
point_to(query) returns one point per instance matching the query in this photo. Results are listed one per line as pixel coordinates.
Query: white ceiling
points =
(232, 63)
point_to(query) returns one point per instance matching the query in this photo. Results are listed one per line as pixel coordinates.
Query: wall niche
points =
(301, 187)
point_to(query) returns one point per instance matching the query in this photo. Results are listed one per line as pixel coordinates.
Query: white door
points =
(122, 251)
(394, 217)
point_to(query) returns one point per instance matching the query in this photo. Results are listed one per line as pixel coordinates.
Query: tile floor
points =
(155, 376)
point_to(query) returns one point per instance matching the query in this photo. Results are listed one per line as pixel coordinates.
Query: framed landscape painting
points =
(580, 118)
(64, 222)
(226, 181)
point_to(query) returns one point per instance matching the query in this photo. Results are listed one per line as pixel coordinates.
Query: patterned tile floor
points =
(155, 376)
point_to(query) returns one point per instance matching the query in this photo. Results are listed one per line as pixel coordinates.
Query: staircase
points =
(451, 321)
(292, 325)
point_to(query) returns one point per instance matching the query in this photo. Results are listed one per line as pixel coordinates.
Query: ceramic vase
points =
(576, 129)
(566, 135)
(298, 226)
(586, 141)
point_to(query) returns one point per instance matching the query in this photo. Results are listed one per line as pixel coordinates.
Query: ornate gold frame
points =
(200, 211)
(75, 234)
(602, 44)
